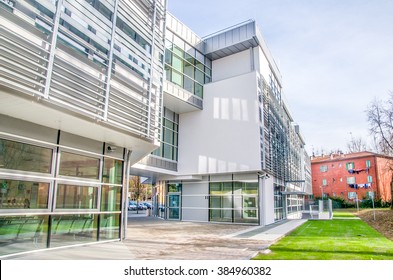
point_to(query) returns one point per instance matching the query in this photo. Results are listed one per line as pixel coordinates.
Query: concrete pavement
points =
(155, 239)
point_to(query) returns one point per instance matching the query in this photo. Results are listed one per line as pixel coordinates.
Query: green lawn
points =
(340, 214)
(339, 239)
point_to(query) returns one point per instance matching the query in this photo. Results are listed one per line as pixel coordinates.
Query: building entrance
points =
(174, 203)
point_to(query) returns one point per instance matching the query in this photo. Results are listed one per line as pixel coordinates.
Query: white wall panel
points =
(224, 137)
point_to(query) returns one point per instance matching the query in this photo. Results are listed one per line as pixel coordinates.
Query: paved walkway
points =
(152, 238)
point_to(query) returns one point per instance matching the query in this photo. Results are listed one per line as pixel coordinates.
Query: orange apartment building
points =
(351, 176)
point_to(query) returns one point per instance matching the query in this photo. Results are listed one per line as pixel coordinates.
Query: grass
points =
(341, 239)
(340, 214)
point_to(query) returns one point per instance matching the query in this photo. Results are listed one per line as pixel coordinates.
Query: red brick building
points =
(352, 175)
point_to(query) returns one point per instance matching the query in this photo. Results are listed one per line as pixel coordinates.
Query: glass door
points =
(174, 202)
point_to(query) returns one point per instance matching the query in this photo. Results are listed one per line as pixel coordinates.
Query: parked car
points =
(141, 206)
(132, 206)
(147, 204)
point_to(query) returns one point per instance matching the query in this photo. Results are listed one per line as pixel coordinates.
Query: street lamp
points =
(322, 191)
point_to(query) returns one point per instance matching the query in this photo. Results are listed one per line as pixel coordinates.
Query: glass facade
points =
(79, 203)
(25, 157)
(75, 165)
(170, 135)
(185, 66)
(16, 194)
(279, 210)
(294, 203)
(233, 202)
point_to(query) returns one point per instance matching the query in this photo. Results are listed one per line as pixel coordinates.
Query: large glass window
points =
(234, 202)
(169, 139)
(23, 233)
(279, 212)
(187, 68)
(110, 198)
(109, 226)
(73, 229)
(113, 171)
(79, 166)
(16, 194)
(25, 157)
(76, 197)
(221, 202)
(245, 202)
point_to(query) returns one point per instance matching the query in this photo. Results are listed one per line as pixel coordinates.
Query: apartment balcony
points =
(180, 100)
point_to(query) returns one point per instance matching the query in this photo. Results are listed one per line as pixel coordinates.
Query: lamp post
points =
(322, 191)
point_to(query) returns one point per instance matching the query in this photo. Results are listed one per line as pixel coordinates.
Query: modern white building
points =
(81, 101)
(230, 150)
(92, 91)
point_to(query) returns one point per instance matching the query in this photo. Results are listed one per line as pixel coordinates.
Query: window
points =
(130, 32)
(16, 194)
(233, 202)
(352, 195)
(25, 157)
(279, 212)
(101, 8)
(370, 179)
(368, 163)
(324, 182)
(191, 73)
(169, 136)
(350, 165)
(370, 195)
(110, 198)
(113, 171)
(79, 166)
(351, 180)
(76, 197)
(323, 168)
(174, 187)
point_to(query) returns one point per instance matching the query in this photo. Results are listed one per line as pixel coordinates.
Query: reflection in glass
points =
(76, 197)
(113, 171)
(110, 198)
(23, 194)
(22, 233)
(234, 202)
(73, 229)
(174, 213)
(172, 187)
(79, 166)
(109, 226)
(25, 157)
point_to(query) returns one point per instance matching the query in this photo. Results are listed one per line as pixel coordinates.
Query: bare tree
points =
(380, 119)
(356, 145)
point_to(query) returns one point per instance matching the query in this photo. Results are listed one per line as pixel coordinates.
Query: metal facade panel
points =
(231, 41)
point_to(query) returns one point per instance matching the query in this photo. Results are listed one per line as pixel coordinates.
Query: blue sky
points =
(335, 56)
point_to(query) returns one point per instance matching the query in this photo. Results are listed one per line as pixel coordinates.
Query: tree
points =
(139, 191)
(356, 145)
(380, 119)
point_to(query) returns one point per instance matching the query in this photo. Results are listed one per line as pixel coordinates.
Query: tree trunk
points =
(391, 194)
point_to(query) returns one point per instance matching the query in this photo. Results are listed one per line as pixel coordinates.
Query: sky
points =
(335, 57)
